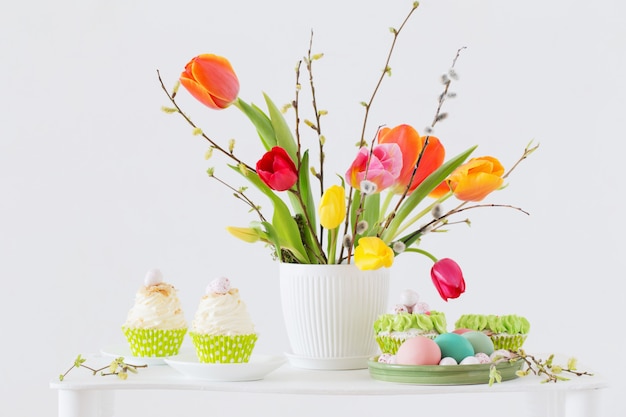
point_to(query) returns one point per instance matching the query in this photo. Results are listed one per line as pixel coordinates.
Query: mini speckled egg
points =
(455, 346)
(418, 350)
(500, 354)
(482, 357)
(480, 341)
(470, 360)
(448, 361)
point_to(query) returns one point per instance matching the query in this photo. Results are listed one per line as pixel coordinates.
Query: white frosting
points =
(156, 307)
(409, 333)
(222, 314)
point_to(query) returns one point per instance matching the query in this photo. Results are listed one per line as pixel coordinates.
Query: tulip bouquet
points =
(389, 197)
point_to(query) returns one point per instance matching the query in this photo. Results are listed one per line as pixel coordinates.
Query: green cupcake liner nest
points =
(508, 341)
(223, 349)
(154, 342)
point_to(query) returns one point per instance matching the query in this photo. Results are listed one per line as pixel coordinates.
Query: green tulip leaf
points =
(286, 227)
(422, 191)
(308, 211)
(284, 137)
(261, 122)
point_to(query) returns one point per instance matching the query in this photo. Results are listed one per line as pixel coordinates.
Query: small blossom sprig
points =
(537, 366)
(117, 367)
(552, 371)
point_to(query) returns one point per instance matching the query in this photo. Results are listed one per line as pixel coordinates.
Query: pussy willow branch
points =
(318, 127)
(436, 119)
(296, 109)
(211, 141)
(368, 105)
(527, 151)
(241, 195)
(298, 193)
(460, 208)
(444, 95)
(396, 33)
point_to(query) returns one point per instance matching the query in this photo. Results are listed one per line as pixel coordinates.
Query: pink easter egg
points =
(461, 331)
(418, 350)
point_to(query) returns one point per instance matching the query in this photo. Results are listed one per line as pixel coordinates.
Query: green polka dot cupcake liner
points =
(223, 349)
(508, 342)
(154, 342)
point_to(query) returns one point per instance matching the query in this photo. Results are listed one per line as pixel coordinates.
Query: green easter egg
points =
(454, 346)
(480, 341)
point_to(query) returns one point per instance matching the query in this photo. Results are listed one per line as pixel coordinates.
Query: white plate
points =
(124, 351)
(256, 368)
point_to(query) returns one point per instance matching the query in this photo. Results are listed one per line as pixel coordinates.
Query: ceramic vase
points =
(329, 312)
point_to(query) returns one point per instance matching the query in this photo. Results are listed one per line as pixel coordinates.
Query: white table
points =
(82, 394)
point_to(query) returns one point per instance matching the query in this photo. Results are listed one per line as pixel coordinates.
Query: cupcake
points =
(155, 325)
(506, 332)
(222, 330)
(408, 319)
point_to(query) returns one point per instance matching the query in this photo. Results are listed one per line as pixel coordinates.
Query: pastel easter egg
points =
(418, 350)
(409, 298)
(500, 355)
(153, 277)
(461, 331)
(482, 357)
(480, 341)
(454, 345)
(470, 360)
(448, 361)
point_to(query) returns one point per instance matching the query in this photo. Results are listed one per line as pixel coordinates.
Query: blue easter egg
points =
(455, 346)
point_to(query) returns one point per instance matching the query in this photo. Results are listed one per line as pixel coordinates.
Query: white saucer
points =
(124, 351)
(328, 364)
(256, 368)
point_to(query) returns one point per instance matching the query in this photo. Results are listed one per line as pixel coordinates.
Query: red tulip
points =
(277, 170)
(211, 80)
(448, 278)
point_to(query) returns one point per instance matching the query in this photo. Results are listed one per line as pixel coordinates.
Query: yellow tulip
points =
(332, 209)
(246, 234)
(372, 253)
(477, 178)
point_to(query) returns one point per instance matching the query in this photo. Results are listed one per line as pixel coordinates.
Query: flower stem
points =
(423, 252)
(211, 141)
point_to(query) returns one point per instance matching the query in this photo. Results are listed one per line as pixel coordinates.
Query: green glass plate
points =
(441, 374)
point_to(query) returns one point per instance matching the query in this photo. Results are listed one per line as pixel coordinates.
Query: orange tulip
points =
(411, 144)
(476, 179)
(211, 80)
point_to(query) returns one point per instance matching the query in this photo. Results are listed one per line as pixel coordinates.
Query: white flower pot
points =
(329, 312)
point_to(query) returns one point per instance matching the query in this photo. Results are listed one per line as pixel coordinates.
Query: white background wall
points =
(97, 185)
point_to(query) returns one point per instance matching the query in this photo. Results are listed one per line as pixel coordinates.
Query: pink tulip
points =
(411, 145)
(448, 278)
(277, 170)
(384, 166)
